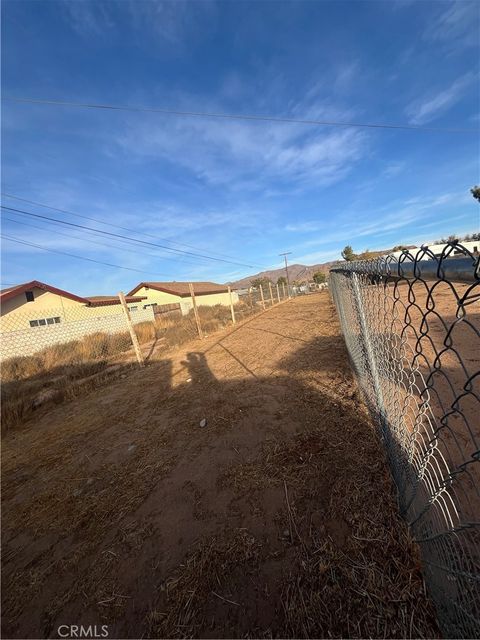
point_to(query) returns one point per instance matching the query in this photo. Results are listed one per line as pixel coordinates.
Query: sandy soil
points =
(276, 519)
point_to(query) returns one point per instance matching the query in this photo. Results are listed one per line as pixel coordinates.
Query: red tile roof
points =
(181, 289)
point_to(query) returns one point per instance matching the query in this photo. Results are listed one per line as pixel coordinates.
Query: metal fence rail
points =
(412, 330)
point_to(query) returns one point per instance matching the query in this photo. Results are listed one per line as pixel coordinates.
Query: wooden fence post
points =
(133, 335)
(232, 310)
(195, 311)
(278, 293)
(263, 299)
(283, 289)
(271, 293)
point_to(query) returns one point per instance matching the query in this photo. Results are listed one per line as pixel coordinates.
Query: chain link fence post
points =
(133, 335)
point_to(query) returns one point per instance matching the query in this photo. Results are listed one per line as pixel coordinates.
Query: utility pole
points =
(287, 253)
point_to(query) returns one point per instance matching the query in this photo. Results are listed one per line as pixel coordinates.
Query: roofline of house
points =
(176, 293)
(12, 292)
(104, 303)
(21, 288)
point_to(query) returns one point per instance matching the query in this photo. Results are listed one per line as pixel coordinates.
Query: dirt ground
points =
(276, 519)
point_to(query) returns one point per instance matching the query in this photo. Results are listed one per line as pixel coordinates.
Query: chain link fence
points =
(412, 329)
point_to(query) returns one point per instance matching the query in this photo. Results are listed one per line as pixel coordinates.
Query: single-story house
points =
(36, 304)
(159, 294)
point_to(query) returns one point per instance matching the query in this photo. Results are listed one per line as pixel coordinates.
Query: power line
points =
(237, 116)
(102, 244)
(116, 235)
(69, 235)
(108, 224)
(72, 255)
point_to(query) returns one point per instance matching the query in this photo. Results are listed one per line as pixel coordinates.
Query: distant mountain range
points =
(298, 272)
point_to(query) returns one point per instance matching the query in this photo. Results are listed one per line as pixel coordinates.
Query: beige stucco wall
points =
(154, 296)
(17, 312)
(43, 300)
(208, 301)
(160, 297)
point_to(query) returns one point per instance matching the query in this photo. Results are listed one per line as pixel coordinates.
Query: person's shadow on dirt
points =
(198, 368)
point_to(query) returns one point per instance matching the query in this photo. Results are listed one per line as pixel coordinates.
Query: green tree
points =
(347, 254)
(319, 277)
(281, 280)
(475, 191)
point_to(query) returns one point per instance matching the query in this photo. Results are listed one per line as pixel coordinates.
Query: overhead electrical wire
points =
(72, 255)
(116, 235)
(111, 224)
(181, 260)
(237, 116)
(90, 240)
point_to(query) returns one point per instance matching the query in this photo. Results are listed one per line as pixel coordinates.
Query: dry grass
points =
(343, 570)
(85, 510)
(203, 585)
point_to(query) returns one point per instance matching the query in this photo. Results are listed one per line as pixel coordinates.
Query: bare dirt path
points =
(276, 519)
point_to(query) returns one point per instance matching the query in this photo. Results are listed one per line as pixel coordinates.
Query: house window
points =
(29, 296)
(43, 322)
(153, 304)
(133, 308)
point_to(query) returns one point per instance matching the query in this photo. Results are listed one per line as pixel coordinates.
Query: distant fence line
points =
(412, 330)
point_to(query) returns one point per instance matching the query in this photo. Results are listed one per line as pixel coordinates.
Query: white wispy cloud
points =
(168, 21)
(456, 26)
(380, 222)
(393, 169)
(249, 155)
(428, 108)
(87, 18)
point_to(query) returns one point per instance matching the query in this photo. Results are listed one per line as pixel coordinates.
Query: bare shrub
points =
(146, 331)
(21, 367)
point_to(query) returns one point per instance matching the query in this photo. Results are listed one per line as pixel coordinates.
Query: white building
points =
(471, 245)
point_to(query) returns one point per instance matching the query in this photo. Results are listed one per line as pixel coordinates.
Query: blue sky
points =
(246, 190)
